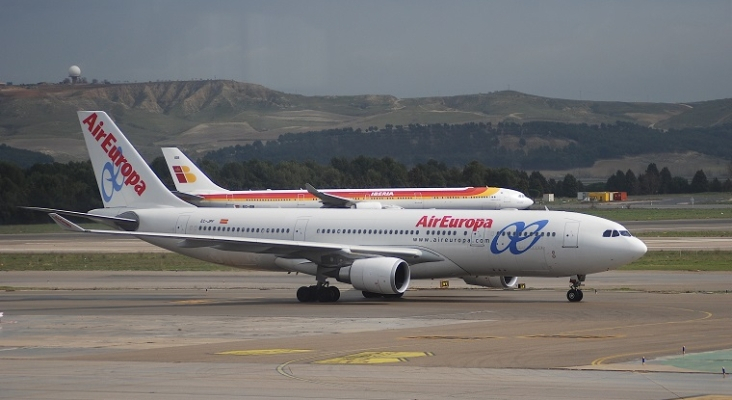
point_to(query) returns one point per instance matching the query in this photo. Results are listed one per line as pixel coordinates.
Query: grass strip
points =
(652, 261)
(655, 214)
(711, 234)
(105, 262)
(683, 261)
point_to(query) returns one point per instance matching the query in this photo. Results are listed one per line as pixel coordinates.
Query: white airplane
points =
(376, 251)
(194, 186)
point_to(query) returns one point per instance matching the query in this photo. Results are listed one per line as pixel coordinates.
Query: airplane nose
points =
(637, 248)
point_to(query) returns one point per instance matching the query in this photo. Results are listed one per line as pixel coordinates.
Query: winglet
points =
(65, 223)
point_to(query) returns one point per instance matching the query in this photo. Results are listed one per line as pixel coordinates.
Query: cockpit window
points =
(613, 233)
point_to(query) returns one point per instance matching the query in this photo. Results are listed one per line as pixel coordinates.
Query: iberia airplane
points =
(376, 251)
(194, 186)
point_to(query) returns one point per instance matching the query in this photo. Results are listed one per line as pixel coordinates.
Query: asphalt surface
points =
(242, 334)
(233, 335)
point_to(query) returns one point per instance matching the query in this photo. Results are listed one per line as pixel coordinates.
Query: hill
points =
(200, 116)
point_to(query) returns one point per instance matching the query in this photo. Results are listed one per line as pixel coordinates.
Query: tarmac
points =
(185, 335)
(243, 334)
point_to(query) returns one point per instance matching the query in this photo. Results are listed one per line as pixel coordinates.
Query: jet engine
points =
(383, 275)
(503, 282)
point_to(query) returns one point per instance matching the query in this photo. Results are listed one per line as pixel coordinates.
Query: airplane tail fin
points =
(123, 176)
(188, 178)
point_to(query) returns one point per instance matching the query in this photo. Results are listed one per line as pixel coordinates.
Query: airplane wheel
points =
(329, 294)
(306, 294)
(574, 295)
(336, 293)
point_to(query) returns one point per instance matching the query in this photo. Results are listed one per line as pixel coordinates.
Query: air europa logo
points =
(518, 237)
(447, 221)
(118, 163)
(183, 174)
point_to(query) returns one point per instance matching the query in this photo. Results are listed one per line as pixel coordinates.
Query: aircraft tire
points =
(306, 294)
(574, 295)
(329, 294)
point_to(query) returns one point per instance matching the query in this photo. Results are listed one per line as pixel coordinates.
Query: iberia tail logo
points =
(184, 174)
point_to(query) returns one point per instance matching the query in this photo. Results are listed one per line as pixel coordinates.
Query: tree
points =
(715, 185)
(537, 185)
(631, 183)
(570, 186)
(651, 180)
(680, 185)
(617, 183)
(699, 182)
(665, 181)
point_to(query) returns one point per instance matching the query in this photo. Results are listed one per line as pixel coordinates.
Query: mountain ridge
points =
(200, 116)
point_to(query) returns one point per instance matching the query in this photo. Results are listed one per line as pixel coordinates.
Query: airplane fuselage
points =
(467, 242)
(477, 198)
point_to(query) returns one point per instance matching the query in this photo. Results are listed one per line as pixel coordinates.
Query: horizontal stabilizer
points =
(122, 222)
(191, 198)
(65, 223)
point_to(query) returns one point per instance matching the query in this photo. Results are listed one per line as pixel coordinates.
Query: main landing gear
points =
(575, 293)
(320, 292)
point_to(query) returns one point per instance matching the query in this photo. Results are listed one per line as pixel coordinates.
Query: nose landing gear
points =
(575, 294)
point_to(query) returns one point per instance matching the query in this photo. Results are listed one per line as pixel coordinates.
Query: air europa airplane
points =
(376, 251)
(194, 186)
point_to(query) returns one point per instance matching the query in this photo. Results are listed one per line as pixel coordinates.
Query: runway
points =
(244, 335)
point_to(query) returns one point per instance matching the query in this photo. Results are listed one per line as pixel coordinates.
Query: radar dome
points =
(75, 71)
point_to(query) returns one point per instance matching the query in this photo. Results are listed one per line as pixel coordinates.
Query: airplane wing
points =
(330, 200)
(320, 253)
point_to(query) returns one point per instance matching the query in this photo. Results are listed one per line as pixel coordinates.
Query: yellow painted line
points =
(196, 301)
(603, 360)
(569, 336)
(376, 357)
(261, 352)
(451, 337)
(707, 315)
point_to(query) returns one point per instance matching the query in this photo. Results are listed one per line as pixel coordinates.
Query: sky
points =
(654, 51)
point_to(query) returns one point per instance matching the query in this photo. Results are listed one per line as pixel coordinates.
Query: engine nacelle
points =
(368, 205)
(503, 282)
(383, 275)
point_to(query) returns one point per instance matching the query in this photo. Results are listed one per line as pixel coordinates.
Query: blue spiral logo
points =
(519, 243)
(110, 180)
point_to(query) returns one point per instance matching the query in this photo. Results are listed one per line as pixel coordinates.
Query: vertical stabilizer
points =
(123, 176)
(188, 178)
